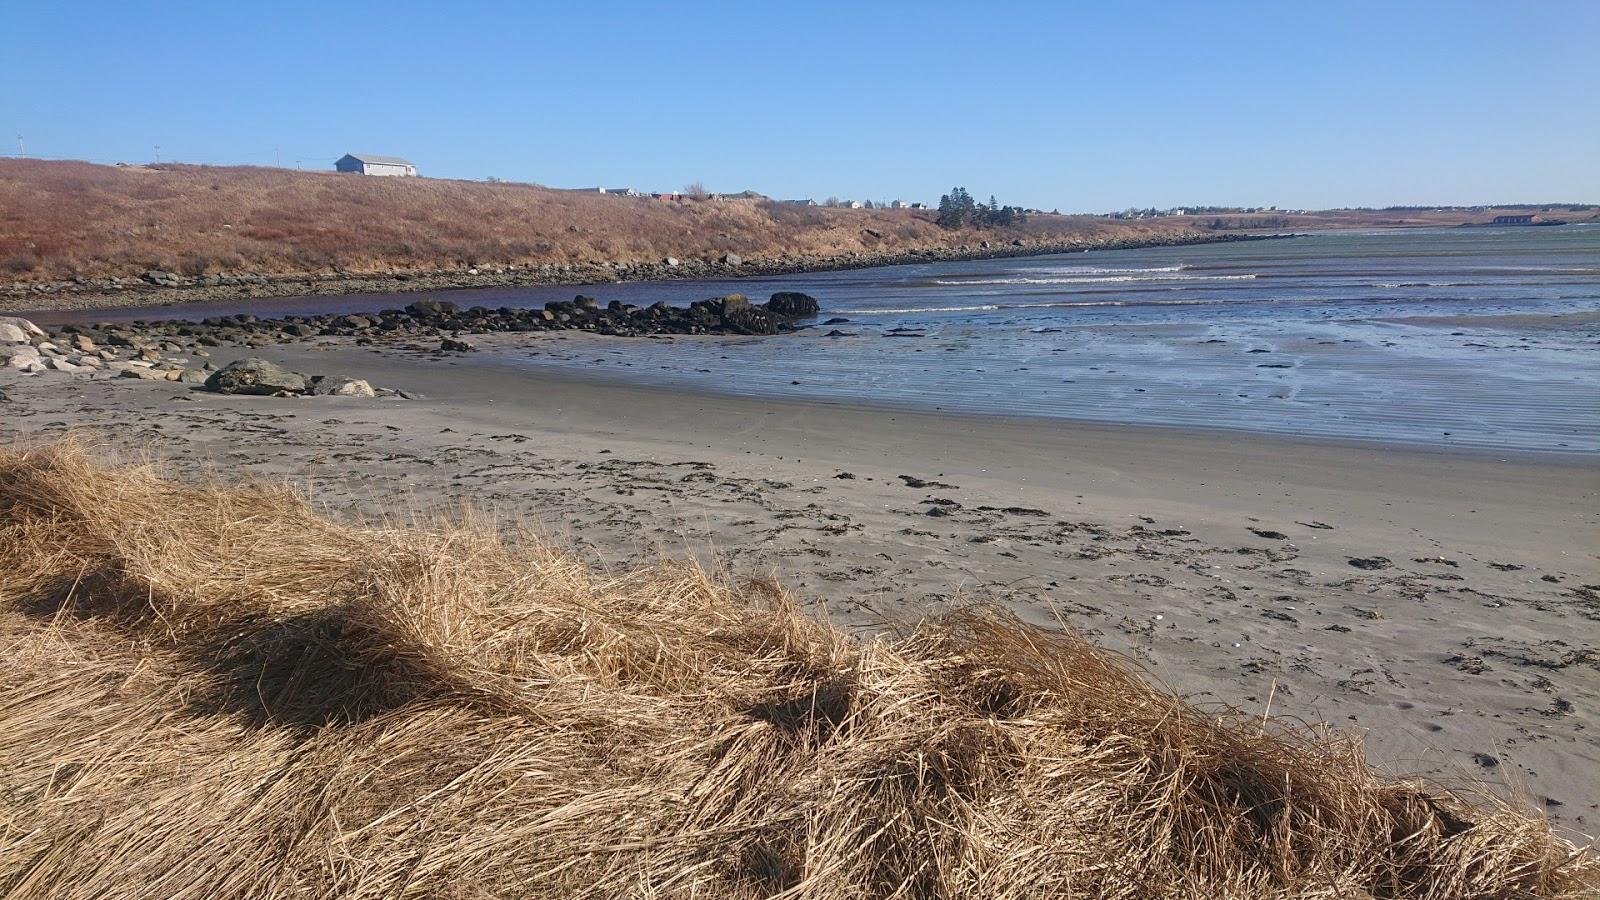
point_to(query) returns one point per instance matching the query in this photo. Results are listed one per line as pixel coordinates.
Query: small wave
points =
(924, 309)
(1103, 270)
(1391, 285)
(1098, 279)
(991, 307)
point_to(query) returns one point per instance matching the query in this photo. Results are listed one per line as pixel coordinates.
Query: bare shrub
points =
(20, 263)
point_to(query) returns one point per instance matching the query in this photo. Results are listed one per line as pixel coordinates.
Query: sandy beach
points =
(1444, 600)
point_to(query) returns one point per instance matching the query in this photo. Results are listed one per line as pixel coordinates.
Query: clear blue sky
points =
(1083, 107)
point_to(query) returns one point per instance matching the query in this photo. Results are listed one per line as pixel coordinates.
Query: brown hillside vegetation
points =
(62, 219)
(212, 691)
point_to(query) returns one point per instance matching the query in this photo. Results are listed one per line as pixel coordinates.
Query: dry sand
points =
(1221, 561)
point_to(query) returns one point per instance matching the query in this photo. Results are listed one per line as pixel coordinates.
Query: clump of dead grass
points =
(212, 691)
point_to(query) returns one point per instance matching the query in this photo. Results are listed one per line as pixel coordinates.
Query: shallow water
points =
(1470, 337)
(1482, 337)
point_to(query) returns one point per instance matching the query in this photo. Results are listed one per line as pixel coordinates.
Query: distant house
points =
(368, 164)
(799, 202)
(1514, 220)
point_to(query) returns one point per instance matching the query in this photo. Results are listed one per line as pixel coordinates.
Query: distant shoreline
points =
(90, 294)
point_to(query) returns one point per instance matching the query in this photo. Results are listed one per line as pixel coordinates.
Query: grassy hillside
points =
(72, 219)
(214, 692)
(62, 221)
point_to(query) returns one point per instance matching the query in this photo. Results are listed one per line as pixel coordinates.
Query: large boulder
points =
(257, 376)
(747, 319)
(721, 306)
(793, 303)
(17, 330)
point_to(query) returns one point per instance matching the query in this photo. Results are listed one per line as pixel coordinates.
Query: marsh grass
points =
(211, 691)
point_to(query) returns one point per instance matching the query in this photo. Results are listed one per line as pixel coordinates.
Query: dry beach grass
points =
(214, 691)
(64, 219)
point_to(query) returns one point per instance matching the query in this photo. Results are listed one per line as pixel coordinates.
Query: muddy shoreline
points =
(165, 288)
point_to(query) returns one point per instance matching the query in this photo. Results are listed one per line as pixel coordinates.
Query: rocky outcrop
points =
(134, 353)
(446, 322)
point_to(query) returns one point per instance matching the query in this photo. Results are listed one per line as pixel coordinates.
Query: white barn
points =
(368, 164)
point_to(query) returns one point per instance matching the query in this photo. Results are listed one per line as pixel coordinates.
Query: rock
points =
(192, 376)
(18, 355)
(340, 386)
(749, 320)
(734, 301)
(81, 343)
(1371, 562)
(142, 374)
(255, 376)
(455, 346)
(428, 308)
(732, 259)
(29, 330)
(670, 262)
(11, 334)
(793, 303)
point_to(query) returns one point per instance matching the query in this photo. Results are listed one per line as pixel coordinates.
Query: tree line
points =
(957, 210)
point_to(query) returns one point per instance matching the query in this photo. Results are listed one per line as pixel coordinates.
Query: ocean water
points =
(1473, 337)
(1479, 337)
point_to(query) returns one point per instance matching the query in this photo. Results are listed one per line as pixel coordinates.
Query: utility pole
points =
(21, 150)
(158, 154)
(277, 156)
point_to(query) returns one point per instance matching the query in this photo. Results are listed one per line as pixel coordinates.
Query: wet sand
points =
(1221, 561)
